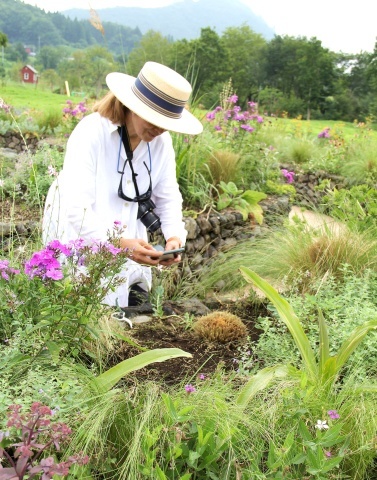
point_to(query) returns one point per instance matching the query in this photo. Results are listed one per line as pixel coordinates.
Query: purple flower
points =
(333, 414)
(248, 128)
(290, 176)
(44, 264)
(210, 116)
(218, 128)
(202, 376)
(239, 117)
(113, 250)
(325, 133)
(259, 119)
(233, 99)
(59, 247)
(252, 106)
(327, 453)
(190, 388)
(6, 270)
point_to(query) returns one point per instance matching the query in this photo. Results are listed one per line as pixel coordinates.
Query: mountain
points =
(32, 26)
(183, 19)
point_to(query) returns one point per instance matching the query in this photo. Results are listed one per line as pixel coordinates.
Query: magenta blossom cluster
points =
(6, 270)
(45, 264)
(289, 176)
(325, 133)
(236, 115)
(190, 388)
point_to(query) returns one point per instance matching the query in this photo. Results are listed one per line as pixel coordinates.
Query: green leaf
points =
(289, 317)
(257, 212)
(54, 350)
(223, 202)
(350, 345)
(252, 197)
(108, 379)
(260, 381)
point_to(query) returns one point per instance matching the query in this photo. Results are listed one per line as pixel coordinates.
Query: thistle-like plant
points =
(319, 372)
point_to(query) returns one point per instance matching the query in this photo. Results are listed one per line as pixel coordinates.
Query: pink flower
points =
(190, 388)
(333, 414)
(288, 175)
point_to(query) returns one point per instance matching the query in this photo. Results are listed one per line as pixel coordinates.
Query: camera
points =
(147, 216)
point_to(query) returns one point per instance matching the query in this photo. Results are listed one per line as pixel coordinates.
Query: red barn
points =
(29, 74)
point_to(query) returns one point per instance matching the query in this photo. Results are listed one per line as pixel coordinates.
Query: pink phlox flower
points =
(190, 388)
(227, 115)
(259, 119)
(290, 176)
(6, 270)
(66, 110)
(74, 112)
(44, 265)
(218, 128)
(69, 102)
(113, 250)
(210, 116)
(218, 109)
(233, 99)
(57, 247)
(236, 108)
(202, 376)
(333, 414)
(327, 453)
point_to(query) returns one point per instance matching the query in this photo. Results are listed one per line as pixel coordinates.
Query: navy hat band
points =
(156, 99)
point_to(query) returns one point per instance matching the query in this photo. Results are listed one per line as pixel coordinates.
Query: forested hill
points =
(183, 19)
(29, 25)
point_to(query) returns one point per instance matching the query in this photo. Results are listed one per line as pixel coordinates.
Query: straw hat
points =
(158, 95)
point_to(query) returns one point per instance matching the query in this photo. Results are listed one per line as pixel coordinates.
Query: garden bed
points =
(174, 332)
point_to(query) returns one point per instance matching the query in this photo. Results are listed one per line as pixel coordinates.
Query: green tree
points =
(48, 58)
(3, 39)
(303, 68)
(152, 47)
(245, 54)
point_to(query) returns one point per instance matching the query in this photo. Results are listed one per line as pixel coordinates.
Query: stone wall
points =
(16, 143)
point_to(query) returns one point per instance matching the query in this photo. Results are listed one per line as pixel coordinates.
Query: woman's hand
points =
(171, 244)
(140, 251)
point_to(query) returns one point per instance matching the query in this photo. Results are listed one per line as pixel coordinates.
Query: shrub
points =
(220, 327)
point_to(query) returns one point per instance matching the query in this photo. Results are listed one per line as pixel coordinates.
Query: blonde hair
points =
(113, 109)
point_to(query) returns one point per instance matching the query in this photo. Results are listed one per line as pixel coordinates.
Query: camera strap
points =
(123, 132)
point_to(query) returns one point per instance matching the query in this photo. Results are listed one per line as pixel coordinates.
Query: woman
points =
(101, 183)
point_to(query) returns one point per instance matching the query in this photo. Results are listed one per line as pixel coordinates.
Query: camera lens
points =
(147, 217)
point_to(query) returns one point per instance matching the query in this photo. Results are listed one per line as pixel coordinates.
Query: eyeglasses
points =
(138, 198)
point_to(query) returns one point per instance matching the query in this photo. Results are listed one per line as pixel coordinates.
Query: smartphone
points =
(171, 253)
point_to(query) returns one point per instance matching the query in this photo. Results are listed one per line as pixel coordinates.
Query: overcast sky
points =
(341, 25)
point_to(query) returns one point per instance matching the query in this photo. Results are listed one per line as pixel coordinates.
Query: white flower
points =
(1, 182)
(321, 425)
